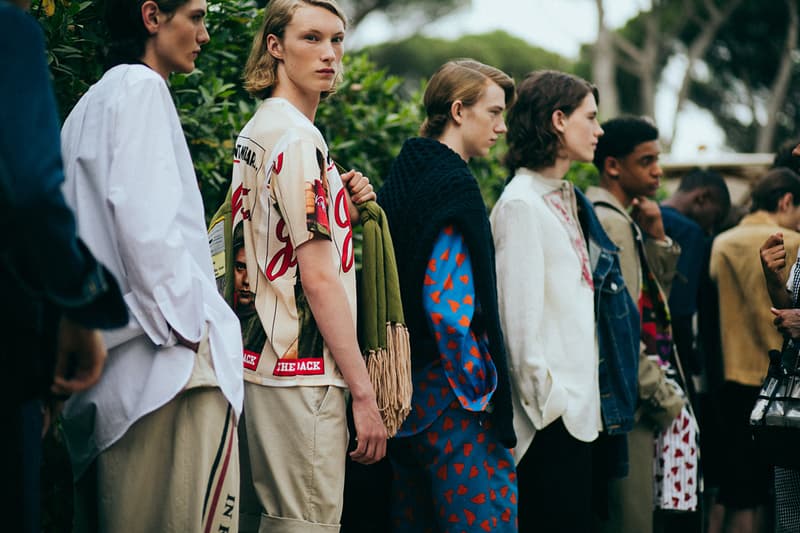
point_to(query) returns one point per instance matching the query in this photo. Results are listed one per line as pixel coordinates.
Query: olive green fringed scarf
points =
(382, 332)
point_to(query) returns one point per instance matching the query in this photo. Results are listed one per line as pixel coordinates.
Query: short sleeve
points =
(301, 191)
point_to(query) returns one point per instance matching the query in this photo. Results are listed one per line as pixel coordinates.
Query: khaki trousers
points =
(293, 442)
(175, 470)
(630, 499)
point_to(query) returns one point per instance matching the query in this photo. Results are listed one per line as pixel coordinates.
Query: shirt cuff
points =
(665, 243)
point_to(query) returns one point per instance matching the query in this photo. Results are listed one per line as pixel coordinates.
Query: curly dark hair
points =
(532, 140)
(621, 137)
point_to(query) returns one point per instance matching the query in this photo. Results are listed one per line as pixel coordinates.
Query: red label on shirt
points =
(300, 367)
(250, 359)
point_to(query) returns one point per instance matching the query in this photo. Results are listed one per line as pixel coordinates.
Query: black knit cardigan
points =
(429, 187)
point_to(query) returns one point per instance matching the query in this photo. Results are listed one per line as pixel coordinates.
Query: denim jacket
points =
(617, 326)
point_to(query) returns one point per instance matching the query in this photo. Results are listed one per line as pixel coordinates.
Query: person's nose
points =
(657, 170)
(203, 37)
(328, 53)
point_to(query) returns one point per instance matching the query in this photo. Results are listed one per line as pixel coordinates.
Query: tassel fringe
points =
(390, 373)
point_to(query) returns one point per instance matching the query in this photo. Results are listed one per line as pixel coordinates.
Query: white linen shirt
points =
(130, 181)
(546, 307)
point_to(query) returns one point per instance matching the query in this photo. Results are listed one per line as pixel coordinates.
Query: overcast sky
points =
(561, 26)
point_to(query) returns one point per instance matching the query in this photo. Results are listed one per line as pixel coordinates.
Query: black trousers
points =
(555, 483)
(21, 466)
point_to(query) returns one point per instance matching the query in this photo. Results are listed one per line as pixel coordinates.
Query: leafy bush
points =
(366, 121)
(75, 35)
(583, 175)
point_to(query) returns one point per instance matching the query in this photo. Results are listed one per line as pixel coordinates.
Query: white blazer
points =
(546, 307)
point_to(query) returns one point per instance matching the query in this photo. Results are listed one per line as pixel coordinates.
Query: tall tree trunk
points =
(647, 85)
(642, 61)
(780, 85)
(604, 67)
(697, 50)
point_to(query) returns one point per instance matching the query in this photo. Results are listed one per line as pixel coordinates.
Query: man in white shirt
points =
(153, 444)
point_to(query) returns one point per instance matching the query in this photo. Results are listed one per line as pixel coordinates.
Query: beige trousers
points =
(175, 470)
(293, 443)
(630, 502)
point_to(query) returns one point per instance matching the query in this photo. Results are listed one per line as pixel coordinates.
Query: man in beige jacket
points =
(747, 333)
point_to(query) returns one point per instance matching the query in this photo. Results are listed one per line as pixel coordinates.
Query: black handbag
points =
(775, 419)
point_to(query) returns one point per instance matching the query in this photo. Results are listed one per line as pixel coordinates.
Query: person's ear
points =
(559, 121)
(611, 167)
(786, 202)
(150, 12)
(274, 46)
(457, 111)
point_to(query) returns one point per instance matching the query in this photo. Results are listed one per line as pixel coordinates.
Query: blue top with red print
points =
(465, 370)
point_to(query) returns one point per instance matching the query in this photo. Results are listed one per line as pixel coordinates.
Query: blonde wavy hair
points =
(261, 70)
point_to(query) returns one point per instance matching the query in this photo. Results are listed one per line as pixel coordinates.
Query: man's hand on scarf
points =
(80, 357)
(359, 190)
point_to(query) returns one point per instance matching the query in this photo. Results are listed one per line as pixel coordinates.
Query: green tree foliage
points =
(418, 56)
(583, 175)
(211, 102)
(743, 62)
(75, 37)
(421, 10)
(366, 121)
(736, 78)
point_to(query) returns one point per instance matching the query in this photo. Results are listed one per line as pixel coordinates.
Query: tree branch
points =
(712, 8)
(697, 50)
(780, 85)
(628, 48)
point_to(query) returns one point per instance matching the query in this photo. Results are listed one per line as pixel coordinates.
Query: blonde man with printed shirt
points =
(296, 215)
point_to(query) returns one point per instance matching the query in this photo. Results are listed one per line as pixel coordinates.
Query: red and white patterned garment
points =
(287, 191)
(676, 465)
(564, 209)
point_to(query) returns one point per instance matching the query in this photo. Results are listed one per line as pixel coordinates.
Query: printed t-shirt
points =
(287, 191)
